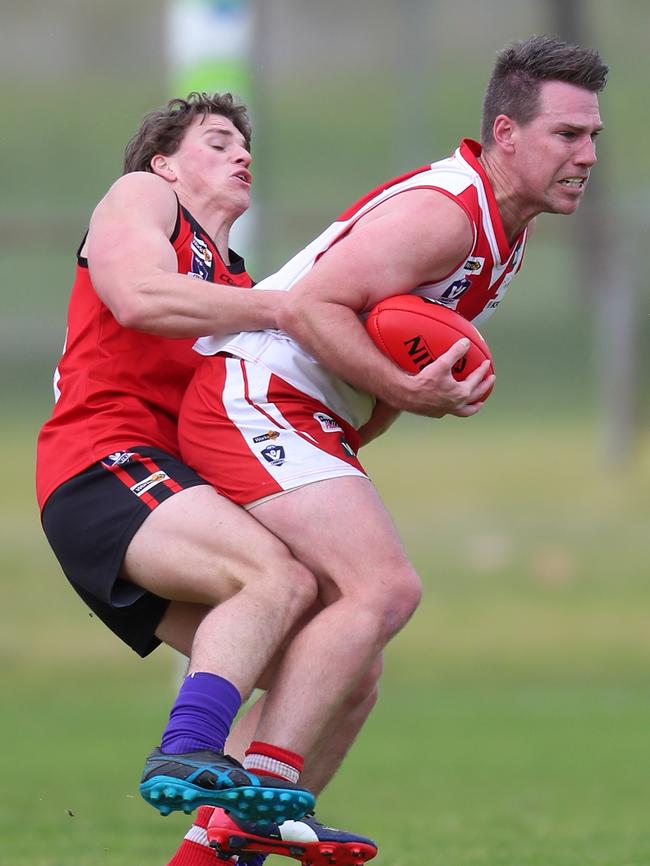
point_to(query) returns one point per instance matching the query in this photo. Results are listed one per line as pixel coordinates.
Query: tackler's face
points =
(555, 152)
(213, 162)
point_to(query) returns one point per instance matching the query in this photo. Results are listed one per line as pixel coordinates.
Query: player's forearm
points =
(337, 339)
(176, 306)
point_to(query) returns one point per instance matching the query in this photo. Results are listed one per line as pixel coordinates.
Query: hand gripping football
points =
(413, 331)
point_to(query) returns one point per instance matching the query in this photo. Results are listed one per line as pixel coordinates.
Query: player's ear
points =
(160, 166)
(504, 131)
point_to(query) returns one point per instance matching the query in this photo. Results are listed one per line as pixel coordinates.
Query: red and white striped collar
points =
(469, 151)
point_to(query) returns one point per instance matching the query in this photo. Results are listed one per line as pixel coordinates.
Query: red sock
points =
(194, 849)
(271, 760)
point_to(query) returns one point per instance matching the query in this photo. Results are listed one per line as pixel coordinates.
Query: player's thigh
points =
(340, 529)
(199, 547)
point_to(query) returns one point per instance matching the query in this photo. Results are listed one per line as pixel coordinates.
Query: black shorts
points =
(90, 521)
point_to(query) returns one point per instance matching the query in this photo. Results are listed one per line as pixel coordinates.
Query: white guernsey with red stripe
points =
(261, 417)
(475, 288)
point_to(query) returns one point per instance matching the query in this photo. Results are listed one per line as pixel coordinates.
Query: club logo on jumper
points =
(149, 482)
(345, 445)
(202, 258)
(118, 458)
(272, 434)
(475, 265)
(328, 424)
(274, 454)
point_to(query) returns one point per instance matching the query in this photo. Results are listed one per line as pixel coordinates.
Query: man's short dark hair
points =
(520, 70)
(161, 131)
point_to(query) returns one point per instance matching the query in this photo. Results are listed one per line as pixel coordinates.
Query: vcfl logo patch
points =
(274, 454)
(453, 292)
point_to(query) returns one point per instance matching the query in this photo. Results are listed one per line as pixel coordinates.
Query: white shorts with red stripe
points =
(252, 435)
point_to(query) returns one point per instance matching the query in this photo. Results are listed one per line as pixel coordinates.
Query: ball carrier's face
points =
(543, 166)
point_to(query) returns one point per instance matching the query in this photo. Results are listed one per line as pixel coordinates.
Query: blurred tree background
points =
(346, 94)
(528, 523)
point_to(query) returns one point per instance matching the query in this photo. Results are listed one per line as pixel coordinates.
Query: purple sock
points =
(257, 860)
(202, 714)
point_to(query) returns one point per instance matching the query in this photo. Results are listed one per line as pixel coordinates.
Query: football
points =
(413, 331)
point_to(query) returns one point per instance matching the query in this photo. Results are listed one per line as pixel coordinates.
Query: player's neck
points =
(216, 221)
(512, 210)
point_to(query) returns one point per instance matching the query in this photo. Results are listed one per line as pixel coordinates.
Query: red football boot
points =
(306, 840)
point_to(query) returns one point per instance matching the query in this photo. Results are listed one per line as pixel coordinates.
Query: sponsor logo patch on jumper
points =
(274, 454)
(474, 265)
(149, 482)
(271, 434)
(328, 424)
(117, 458)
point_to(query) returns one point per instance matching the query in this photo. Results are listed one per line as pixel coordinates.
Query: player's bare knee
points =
(300, 586)
(400, 613)
(395, 607)
(287, 585)
(269, 568)
(411, 595)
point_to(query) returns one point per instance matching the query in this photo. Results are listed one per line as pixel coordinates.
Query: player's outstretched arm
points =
(134, 269)
(416, 237)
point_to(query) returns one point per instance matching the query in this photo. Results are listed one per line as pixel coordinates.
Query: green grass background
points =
(512, 726)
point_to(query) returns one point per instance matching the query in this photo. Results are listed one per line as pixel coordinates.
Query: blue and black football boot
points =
(184, 782)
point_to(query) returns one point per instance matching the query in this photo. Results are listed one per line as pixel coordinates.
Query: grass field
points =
(513, 724)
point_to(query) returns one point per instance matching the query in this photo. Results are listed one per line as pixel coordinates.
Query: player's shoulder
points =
(429, 209)
(138, 185)
(138, 195)
(426, 226)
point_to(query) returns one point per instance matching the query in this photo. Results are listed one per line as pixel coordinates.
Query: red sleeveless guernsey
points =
(116, 387)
